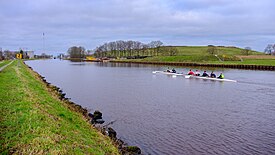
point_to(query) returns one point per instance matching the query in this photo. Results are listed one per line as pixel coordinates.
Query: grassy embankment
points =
(35, 121)
(4, 62)
(199, 54)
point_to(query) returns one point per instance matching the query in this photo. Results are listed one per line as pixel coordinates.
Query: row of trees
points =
(129, 48)
(138, 49)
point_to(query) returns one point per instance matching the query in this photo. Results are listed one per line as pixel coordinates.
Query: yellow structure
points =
(90, 58)
(19, 56)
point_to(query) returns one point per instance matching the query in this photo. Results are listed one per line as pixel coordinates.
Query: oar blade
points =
(187, 76)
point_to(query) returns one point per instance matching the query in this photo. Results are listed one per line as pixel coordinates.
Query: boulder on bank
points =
(111, 133)
(96, 117)
(99, 121)
(131, 150)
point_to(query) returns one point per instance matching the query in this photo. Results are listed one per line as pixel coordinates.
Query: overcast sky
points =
(90, 23)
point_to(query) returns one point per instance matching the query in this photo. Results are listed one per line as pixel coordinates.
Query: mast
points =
(43, 43)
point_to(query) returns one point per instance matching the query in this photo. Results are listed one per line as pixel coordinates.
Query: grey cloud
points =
(90, 22)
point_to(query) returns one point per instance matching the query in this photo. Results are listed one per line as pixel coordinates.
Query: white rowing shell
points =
(209, 78)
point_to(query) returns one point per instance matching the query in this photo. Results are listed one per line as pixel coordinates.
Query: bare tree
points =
(169, 50)
(158, 45)
(76, 52)
(270, 49)
(112, 47)
(212, 49)
(129, 47)
(246, 51)
(138, 47)
(155, 45)
(144, 48)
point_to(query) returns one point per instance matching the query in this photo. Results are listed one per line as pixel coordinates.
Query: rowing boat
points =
(209, 78)
(167, 73)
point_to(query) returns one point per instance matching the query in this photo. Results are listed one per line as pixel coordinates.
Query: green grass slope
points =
(199, 54)
(201, 50)
(35, 121)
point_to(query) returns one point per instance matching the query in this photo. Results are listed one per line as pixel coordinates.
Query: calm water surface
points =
(166, 115)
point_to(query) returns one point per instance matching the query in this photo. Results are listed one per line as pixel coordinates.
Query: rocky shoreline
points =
(93, 118)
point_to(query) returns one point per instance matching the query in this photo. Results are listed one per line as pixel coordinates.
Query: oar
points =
(187, 76)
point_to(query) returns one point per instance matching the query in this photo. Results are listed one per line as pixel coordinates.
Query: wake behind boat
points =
(208, 78)
(167, 73)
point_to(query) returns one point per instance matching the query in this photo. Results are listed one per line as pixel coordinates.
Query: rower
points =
(190, 72)
(212, 75)
(173, 70)
(205, 74)
(197, 73)
(168, 70)
(221, 76)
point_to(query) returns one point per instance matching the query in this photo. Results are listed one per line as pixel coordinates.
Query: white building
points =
(30, 54)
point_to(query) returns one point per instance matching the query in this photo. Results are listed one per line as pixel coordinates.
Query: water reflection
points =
(111, 64)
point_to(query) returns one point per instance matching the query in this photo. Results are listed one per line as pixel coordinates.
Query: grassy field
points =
(199, 54)
(201, 50)
(35, 121)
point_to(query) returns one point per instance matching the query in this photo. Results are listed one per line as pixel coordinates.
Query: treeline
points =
(124, 49)
(136, 49)
(129, 48)
(133, 49)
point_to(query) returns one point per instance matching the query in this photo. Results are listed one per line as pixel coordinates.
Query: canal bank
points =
(193, 64)
(37, 119)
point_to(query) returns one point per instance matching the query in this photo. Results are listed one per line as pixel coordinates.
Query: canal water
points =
(166, 115)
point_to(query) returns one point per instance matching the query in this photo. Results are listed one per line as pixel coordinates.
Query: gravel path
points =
(1, 68)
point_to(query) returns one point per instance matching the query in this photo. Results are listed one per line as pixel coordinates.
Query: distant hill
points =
(201, 50)
(222, 55)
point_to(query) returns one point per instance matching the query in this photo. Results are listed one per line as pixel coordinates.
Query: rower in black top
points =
(173, 70)
(205, 74)
(212, 75)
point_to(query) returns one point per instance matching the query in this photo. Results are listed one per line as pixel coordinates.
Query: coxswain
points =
(221, 76)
